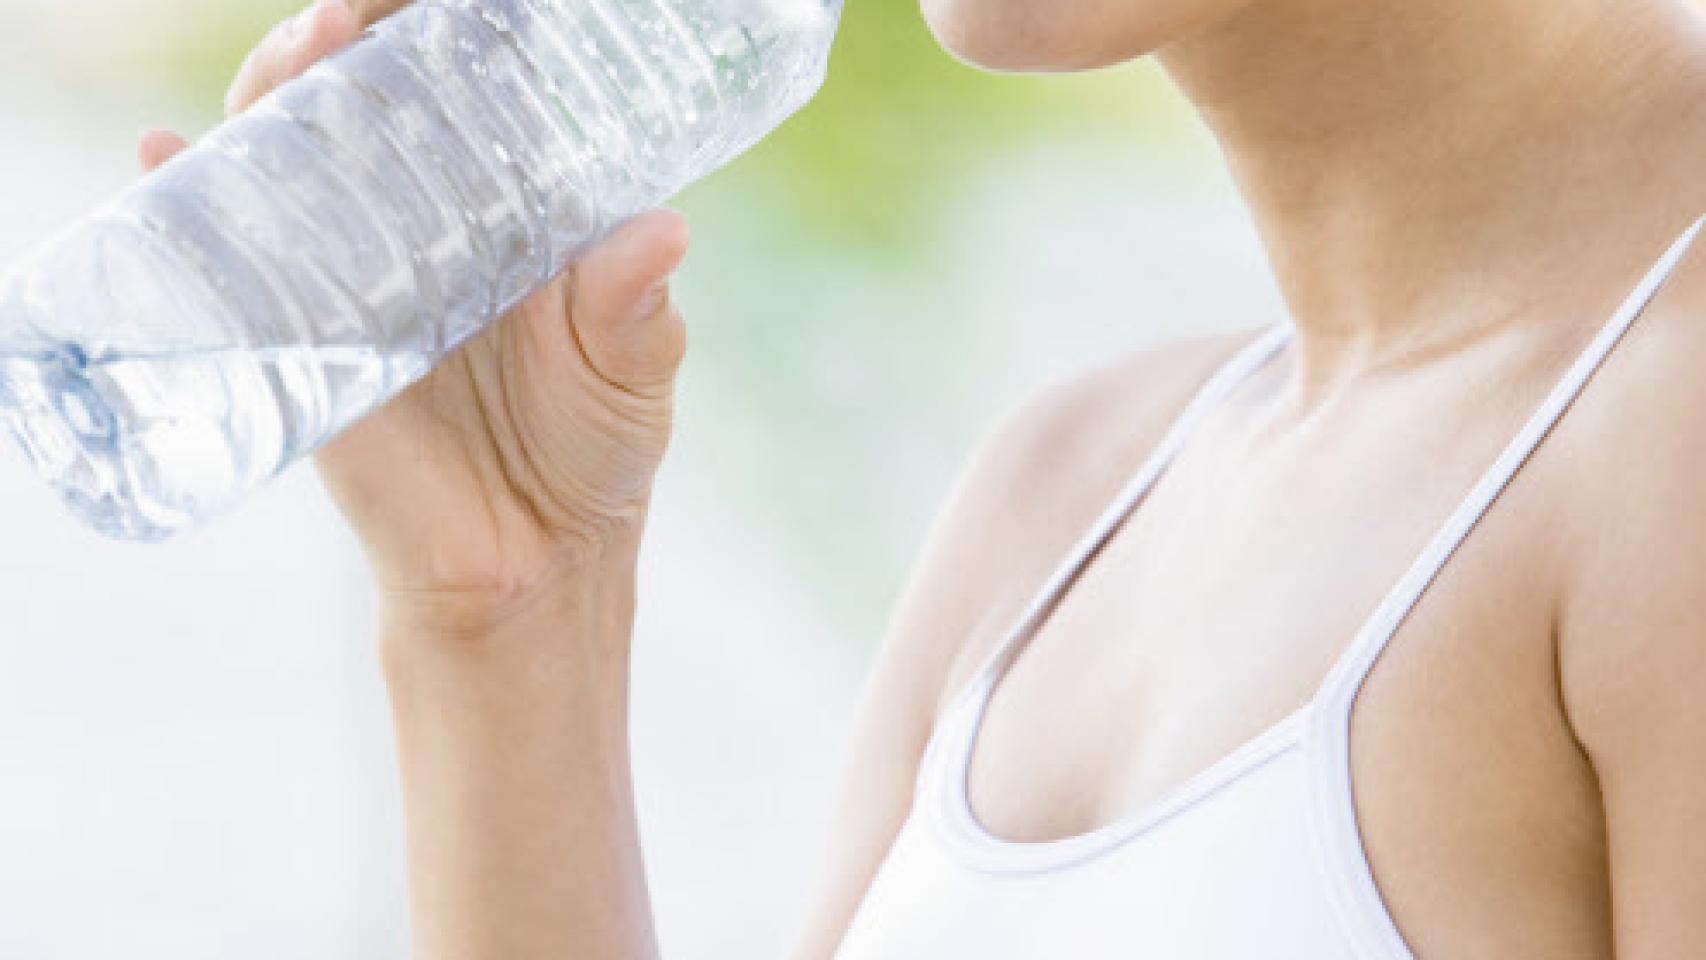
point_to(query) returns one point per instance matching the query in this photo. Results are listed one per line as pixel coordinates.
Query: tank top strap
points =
(1226, 378)
(1347, 874)
(1377, 631)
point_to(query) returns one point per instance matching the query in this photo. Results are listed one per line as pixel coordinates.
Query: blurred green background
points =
(193, 737)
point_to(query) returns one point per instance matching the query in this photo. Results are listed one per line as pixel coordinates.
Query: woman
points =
(1455, 196)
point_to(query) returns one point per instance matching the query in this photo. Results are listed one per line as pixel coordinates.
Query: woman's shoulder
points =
(1032, 487)
(1078, 439)
(1634, 445)
(1109, 415)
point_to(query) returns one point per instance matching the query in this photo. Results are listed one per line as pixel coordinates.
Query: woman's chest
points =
(1211, 617)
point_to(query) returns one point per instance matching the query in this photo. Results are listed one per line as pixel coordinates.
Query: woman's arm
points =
(500, 503)
(1631, 641)
(513, 746)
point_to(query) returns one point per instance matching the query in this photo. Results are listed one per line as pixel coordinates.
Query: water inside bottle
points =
(154, 433)
(307, 260)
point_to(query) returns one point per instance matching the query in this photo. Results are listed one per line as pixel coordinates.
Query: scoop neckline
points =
(979, 847)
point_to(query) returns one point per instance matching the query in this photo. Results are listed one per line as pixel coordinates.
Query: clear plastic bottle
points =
(308, 260)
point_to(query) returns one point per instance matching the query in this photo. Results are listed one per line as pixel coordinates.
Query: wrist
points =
(582, 600)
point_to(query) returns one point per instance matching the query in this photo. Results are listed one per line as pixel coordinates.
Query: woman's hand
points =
(530, 452)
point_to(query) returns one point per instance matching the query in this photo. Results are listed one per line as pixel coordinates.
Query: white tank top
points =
(1257, 856)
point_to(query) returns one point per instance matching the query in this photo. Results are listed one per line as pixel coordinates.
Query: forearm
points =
(513, 746)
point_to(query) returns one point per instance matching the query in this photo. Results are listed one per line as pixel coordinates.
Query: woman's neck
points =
(1425, 171)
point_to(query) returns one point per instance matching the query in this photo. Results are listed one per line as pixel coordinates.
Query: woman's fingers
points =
(287, 50)
(158, 146)
(290, 48)
(620, 306)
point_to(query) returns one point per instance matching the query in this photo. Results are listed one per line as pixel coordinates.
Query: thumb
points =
(620, 308)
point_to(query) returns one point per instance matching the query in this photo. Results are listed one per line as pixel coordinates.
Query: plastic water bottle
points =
(308, 260)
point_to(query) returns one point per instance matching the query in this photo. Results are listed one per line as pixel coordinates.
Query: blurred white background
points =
(194, 752)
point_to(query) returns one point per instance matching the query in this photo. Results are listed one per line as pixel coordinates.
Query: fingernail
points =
(297, 26)
(301, 25)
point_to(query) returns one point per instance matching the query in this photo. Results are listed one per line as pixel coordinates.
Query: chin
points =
(1054, 36)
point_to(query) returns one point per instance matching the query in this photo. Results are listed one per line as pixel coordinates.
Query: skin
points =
(1454, 195)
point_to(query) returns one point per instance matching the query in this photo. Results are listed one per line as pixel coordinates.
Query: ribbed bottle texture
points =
(308, 260)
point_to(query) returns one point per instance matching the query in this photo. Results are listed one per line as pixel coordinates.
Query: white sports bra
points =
(1257, 856)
